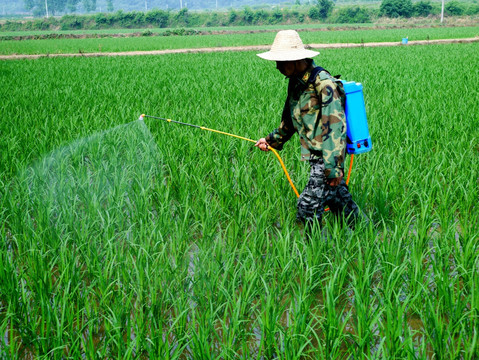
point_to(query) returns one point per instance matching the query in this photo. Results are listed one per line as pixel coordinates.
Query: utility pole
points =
(46, 7)
(442, 12)
(181, 4)
(146, 5)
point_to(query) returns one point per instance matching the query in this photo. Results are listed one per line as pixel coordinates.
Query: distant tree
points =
(325, 8)
(213, 20)
(260, 16)
(352, 15)
(396, 8)
(232, 16)
(101, 19)
(313, 13)
(72, 5)
(89, 5)
(39, 9)
(109, 5)
(422, 8)
(248, 15)
(454, 8)
(321, 10)
(56, 7)
(276, 16)
(472, 9)
(71, 22)
(157, 17)
(183, 17)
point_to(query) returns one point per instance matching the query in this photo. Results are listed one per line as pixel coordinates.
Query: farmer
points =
(314, 109)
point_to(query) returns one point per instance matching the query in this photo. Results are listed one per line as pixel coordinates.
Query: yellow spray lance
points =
(243, 138)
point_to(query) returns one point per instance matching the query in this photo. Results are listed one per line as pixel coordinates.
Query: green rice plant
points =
(334, 315)
(268, 321)
(299, 333)
(395, 332)
(366, 311)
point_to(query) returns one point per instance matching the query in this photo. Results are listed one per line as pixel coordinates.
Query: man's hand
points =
(262, 144)
(335, 181)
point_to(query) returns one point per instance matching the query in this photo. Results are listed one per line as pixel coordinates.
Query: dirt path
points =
(240, 48)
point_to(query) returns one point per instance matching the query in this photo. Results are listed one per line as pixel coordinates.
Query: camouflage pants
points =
(318, 194)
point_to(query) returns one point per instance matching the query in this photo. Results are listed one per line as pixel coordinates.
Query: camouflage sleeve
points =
(333, 126)
(279, 136)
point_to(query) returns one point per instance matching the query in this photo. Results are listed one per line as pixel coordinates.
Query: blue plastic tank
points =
(358, 141)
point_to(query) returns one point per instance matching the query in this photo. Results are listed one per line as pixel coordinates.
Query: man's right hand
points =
(262, 144)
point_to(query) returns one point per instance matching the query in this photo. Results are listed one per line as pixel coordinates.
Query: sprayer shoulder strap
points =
(336, 79)
(323, 75)
(314, 73)
(317, 70)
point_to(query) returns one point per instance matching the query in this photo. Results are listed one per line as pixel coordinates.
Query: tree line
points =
(321, 11)
(54, 7)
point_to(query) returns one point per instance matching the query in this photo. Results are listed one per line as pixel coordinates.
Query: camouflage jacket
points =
(320, 122)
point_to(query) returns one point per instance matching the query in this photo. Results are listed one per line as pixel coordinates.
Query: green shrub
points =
(71, 22)
(39, 24)
(352, 14)
(213, 20)
(260, 16)
(313, 13)
(454, 8)
(101, 19)
(138, 18)
(321, 10)
(472, 9)
(125, 19)
(157, 18)
(248, 15)
(183, 17)
(325, 8)
(276, 16)
(422, 8)
(396, 8)
(232, 16)
(12, 26)
(180, 32)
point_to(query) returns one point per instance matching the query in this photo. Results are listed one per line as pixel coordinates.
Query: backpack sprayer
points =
(358, 139)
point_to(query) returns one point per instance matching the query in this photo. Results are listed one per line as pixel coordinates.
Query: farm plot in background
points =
(188, 246)
(65, 46)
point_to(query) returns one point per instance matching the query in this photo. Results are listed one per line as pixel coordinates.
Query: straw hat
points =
(287, 46)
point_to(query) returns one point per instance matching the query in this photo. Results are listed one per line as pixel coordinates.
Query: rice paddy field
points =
(128, 239)
(145, 43)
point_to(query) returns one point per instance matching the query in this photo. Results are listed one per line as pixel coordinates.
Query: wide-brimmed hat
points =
(287, 46)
